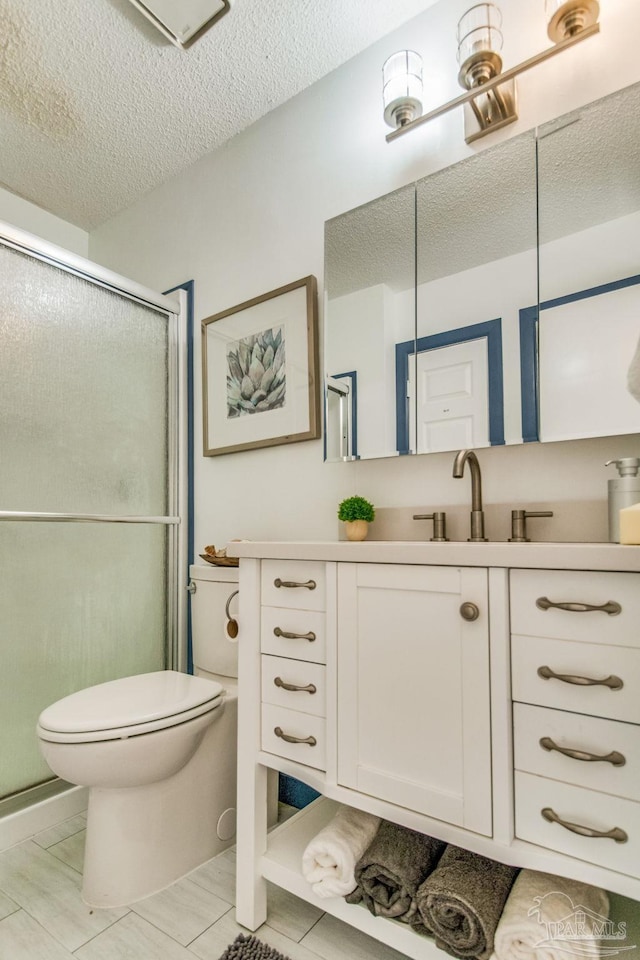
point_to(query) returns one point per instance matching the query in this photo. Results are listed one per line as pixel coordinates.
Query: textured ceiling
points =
(96, 107)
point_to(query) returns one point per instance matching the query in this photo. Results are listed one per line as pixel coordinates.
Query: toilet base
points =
(142, 839)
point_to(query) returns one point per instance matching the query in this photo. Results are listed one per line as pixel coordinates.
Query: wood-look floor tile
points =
(214, 941)
(71, 850)
(47, 838)
(218, 876)
(332, 939)
(22, 938)
(183, 911)
(50, 891)
(289, 914)
(217, 938)
(133, 938)
(7, 906)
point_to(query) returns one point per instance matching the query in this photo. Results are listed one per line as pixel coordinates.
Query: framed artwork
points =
(260, 371)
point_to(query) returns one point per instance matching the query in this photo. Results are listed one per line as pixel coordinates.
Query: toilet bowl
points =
(158, 754)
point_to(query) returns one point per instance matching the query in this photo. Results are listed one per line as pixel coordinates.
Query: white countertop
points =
(560, 556)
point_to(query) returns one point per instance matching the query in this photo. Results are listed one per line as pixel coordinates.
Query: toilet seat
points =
(129, 707)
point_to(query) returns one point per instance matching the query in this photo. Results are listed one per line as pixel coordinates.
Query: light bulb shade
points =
(566, 18)
(402, 87)
(479, 42)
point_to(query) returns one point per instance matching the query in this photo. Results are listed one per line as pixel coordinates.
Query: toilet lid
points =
(129, 702)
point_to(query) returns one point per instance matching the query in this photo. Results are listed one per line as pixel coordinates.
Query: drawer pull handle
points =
(279, 682)
(309, 584)
(287, 736)
(612, 608)
(294, 636)
(613, 682)
(616, 834)
(615, 758)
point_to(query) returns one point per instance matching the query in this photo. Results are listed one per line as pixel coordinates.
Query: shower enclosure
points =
(91, 547)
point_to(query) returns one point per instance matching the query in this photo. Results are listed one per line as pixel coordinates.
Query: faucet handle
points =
(519, 523)
(439, 524)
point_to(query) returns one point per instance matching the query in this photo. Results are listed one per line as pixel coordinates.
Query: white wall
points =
(27, 216)
(250, 217)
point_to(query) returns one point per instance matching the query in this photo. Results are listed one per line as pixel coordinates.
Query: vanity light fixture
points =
(489, 102)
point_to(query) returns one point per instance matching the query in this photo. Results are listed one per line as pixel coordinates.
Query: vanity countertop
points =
(560, 556)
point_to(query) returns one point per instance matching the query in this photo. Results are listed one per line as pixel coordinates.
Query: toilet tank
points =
(213, 651)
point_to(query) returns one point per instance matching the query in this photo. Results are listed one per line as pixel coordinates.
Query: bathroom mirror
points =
(476, 265)
(370, 307)
(438, 341)
(581, 342)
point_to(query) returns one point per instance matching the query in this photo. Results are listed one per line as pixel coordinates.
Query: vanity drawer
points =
(586, 808)
(299, 634)
(292, 723)
(299, 584)
(277, 671)
(528, 587)
(578, 660)
(619, 742)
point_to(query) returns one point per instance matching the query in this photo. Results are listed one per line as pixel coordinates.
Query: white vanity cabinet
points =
(479, 693)
(576, 676)
(413, 688)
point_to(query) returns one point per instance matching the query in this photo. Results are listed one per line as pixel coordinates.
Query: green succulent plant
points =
(356, 508)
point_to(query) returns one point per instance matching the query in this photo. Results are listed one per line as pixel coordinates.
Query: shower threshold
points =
(38, 808)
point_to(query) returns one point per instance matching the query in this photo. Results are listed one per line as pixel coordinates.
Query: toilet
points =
(158, 754)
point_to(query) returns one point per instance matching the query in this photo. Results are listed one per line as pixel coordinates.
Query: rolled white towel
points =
(633, 376)
(330, 857)
(550, 918)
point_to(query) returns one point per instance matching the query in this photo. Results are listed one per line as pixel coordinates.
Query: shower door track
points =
(81, 517)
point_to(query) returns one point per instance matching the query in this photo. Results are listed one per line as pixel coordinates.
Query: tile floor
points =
(43, 918)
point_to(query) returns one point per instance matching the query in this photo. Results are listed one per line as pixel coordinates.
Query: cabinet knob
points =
(469, 611)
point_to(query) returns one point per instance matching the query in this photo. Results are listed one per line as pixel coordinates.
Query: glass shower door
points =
(87, 494)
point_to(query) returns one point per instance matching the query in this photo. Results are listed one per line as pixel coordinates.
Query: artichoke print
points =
(256, 373)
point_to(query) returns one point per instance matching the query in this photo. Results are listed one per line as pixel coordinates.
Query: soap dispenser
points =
(623, 492)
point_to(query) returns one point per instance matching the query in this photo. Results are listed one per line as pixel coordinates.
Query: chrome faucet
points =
(477, 514)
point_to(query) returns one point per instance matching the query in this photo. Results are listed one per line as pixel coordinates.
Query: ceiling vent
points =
(182, 23)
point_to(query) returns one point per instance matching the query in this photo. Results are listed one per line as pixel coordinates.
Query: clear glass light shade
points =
(566, 18)
(479, 42)
(402, 87)
(479, 31)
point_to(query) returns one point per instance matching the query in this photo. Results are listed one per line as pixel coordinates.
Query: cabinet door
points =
(413, 689)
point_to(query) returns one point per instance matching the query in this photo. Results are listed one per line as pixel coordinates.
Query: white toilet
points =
(158, 753)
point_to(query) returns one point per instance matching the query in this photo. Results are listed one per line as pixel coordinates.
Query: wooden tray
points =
(220, 561)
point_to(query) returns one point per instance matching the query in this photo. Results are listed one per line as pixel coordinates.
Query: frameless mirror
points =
(580, 344)
(442, 343)
(369, 308)
(476, 265)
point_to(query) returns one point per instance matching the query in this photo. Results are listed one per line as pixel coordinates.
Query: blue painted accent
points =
(294, 792)
(529, 356)
(352, 375)
(188, 287)
(492, 330)
(403, 350)
(529, 373)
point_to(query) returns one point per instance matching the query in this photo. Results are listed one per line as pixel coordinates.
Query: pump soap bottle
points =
(623, 492)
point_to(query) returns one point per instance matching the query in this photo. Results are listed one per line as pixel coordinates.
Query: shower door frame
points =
(175, 653)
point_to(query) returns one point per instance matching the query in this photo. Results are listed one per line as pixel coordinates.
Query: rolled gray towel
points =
(462, 901)
(392, 868)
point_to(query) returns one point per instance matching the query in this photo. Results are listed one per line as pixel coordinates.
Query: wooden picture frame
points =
(260, 371)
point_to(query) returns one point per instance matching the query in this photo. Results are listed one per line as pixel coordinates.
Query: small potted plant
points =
(357, 513)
